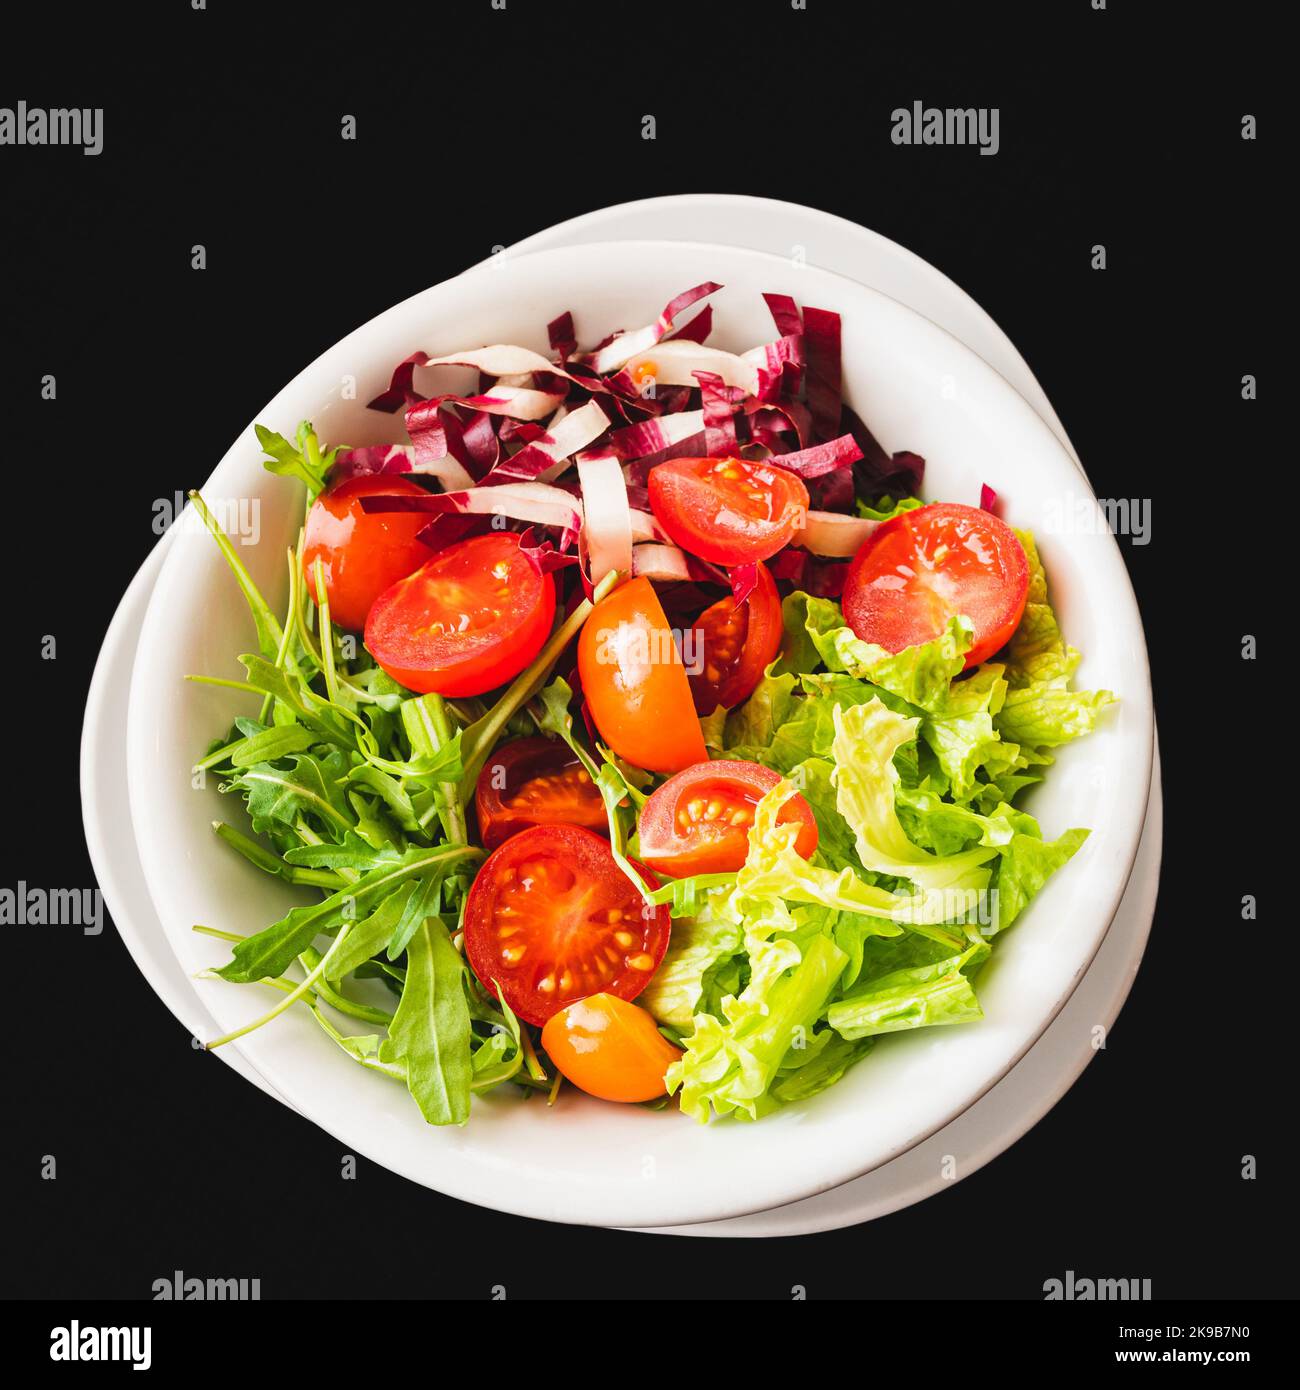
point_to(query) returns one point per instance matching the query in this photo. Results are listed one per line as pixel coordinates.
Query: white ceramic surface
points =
(1027, 1092)
(918, 388)
(805, 235)
(974, 1138)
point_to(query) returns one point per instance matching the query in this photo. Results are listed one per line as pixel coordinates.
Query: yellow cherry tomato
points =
(609, 1048)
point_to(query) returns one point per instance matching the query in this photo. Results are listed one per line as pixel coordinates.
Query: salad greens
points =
(778, 977)
(911, 769)
(357, 788)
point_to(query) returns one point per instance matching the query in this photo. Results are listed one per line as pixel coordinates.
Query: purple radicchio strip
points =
(401, 389)
(825, 382)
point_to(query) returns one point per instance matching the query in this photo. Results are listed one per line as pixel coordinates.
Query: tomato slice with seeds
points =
(635, 683)
(609, 1048)
(740, 641)
(552, 918)
(535, 781)
(698, 822)
(465, 622)
(727, 510)
(921, 568)
(363, 553)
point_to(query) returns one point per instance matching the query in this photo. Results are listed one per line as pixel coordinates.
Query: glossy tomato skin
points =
(740, 641)
(698, 821)
(920, 568)
(727, 510)
(609, 1048)
(363, 553)
(635, 683)
(552, 918)
(535, 781)
(466, 621)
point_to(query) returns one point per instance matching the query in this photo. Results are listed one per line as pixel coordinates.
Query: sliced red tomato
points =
(534, 781)
(922, 567)
(465, 622)
(727, 510)
(698, 822)
(363, 553)
(739, 642)
(609, 1048)
(552, 918)
(635, 683)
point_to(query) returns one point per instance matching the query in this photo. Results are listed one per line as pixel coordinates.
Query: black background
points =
(476, 128)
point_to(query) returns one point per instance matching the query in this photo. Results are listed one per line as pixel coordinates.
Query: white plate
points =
(919, 388)
(110, 834)
(989, 1127)
(1017, 1103)
(806, 236)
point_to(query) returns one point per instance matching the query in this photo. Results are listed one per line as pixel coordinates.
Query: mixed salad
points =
(636, 724)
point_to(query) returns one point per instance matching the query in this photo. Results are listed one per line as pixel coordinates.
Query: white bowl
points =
(584, 1161)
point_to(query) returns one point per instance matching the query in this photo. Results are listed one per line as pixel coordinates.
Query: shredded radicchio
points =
(644, 396)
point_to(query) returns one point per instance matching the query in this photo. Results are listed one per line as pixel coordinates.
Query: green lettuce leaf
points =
(866, 739)
(922, 996)
(1027, 862)
(698, 945)
(729, 1064)
(1040, 709)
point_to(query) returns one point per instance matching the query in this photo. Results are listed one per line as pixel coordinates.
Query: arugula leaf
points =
(430, 1032)
(351, 853)
(270, 745)
(608, 780)
(304, 463)
(280, 794)
(369, 936)
(269, 632)
(272, 951)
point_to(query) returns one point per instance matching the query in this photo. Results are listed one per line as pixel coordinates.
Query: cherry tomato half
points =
(609, 1048)
(467, 621)
(535, 781)
(698, 822)
(363, 553)
(635, 683)
(922, 567)
(740, 642)
(727, 510)
(552, 918)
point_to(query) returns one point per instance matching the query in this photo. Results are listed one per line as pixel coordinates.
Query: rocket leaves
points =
(355, 789)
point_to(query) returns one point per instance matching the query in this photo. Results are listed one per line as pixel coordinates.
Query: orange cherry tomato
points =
(363, 553)
(727, 510)
(740, 642)
(535, 781)
(922, 567)
(698, 822)
(635, 683)
(609, 1048)
(467, 621)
